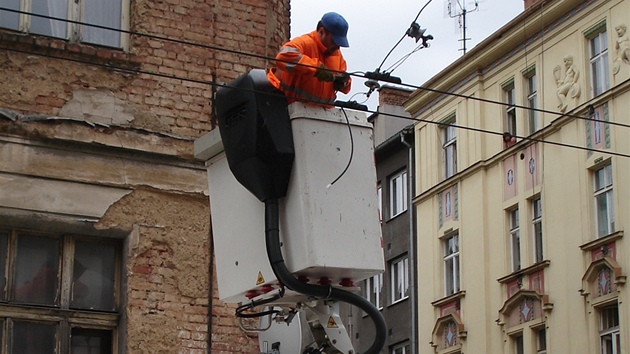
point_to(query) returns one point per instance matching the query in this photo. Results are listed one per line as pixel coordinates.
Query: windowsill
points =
(525, 271)
(27, 312)
(398, 301)
(597, 243)
(395, 216)
(445, 300)
(64, 49)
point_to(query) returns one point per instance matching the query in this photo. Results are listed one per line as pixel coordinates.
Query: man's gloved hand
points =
(340, 81)
(323, 74)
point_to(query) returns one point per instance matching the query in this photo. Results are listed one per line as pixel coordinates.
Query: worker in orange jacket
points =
(311, 68)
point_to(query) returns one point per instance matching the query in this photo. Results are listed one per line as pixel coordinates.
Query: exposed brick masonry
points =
(182, 104)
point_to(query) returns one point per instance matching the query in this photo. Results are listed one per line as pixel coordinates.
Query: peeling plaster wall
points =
(69, 119)
(167, 269)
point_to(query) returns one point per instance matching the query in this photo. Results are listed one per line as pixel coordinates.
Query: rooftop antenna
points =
(457, 8)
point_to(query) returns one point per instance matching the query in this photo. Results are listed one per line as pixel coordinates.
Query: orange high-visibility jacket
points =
(296, 64)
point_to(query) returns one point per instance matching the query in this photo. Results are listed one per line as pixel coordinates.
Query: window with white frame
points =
(58, 291)
(598, 49)
(399, 279)
(379, 196)
(398, 193)
(515, 240)
(373, 290)
(532, 102)
(401, 348)
(541, 341)
(610, 342)
(110, 15)
(510, 109)
(518, 343)
(451, 264)
(537, 229)
(605, 216)
(449, 149)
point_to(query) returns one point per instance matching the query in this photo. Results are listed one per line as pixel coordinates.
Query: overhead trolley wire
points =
(120, 30)
(139, 71)
(258, 56)
(486, 100)
(151, 36)
(403, 37)
(485, 131)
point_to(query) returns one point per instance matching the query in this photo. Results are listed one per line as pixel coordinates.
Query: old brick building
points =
(105, 237)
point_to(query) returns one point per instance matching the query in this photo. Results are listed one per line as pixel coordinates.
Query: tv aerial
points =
(459, 9)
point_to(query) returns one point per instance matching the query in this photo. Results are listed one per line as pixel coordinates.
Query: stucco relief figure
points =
(567, 86)
(622, 48)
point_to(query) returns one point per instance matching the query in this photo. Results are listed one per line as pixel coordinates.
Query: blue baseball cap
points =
(337, 26)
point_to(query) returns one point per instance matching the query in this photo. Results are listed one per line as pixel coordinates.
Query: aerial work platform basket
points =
(330, 232)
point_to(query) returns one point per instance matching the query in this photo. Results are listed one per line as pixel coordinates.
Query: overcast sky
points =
(376, 26)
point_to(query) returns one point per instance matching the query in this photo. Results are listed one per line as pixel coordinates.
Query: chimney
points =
(392, 95)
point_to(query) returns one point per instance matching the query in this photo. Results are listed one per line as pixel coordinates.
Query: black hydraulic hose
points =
(282, 273)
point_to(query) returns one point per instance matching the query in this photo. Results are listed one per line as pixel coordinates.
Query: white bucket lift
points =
(329, 233)
(305, 228)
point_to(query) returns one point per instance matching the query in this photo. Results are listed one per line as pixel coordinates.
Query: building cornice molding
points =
(498, 48)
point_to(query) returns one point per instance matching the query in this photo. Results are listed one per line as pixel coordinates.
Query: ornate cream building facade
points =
(522, 194)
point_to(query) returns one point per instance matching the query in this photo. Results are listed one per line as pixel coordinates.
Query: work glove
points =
(323, 74)
(340, 81)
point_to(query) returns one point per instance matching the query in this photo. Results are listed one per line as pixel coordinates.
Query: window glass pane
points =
(93, 276)
(37, 270)
(91, 341)
(374, 291)
(602, 215)
(595, 49)
(610, 317)
(605, 70)
(516, 251)
(398, 194)
(538, 241)
(34, 337)
(45, 26)
(456, 274)
(532, 103)
(403, 348)
(515, 240)
(10, 19)
(379, 195)
(380, 291)
(106, 13)
(519, 346)
(451, 265)
(449, 272)
(400, 283)
(600, 180)
(541, 340)
(4, 238)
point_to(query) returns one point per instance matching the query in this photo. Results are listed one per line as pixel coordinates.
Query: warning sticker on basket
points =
(260, 279)
(332, 323)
